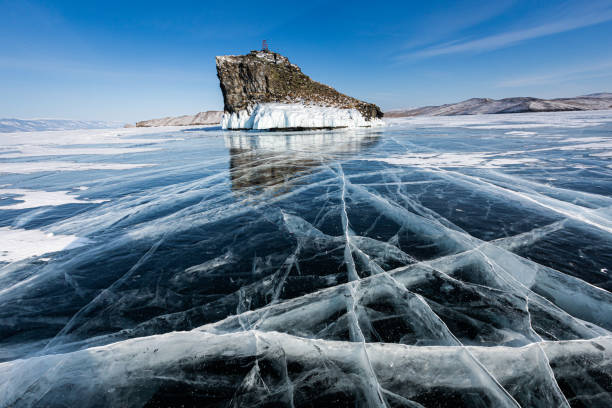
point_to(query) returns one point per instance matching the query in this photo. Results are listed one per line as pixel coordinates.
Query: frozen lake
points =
(448, 261)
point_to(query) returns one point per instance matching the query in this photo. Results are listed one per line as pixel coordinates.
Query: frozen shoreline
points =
(268, 116)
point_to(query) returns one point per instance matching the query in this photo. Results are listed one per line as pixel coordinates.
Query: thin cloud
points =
(600, 70)
(514, 37)
(459, 16)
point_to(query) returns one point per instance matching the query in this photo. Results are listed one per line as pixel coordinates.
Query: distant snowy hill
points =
(601, 95)
(477, 106)
(31, 125)
(202, 118)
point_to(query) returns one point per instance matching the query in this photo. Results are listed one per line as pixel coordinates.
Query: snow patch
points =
(459, 159)
(35, 198)
(18, 244)
(35, 167)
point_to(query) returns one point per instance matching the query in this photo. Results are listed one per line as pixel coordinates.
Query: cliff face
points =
(268, 77)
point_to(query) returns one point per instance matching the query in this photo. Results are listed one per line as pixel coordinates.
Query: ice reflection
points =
(271, 162)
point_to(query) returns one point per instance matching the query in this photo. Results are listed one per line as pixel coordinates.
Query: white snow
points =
(34, 167)
(18, 244)
(35, 198)
(452, 159)
(281, 115)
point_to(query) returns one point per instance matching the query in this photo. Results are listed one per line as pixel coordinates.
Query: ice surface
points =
(432, 262)
(292, 115)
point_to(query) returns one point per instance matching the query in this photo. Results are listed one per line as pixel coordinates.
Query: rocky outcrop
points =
(477, 106)
(199, 119)
(265, 77)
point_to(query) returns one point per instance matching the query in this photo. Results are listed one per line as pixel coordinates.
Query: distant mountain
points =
(202, 118)
(32, 125)
(477, 106)
(603, 95)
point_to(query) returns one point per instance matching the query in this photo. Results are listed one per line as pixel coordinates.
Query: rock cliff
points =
(265, 77)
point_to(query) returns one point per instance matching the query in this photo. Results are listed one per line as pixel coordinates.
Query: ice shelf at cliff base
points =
(296, 116)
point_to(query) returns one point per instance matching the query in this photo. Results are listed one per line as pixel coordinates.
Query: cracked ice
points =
(431, 262)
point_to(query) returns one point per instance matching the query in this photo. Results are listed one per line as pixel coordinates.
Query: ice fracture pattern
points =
(433, 262)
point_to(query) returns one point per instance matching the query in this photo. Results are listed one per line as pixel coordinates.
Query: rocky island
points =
(264, 90)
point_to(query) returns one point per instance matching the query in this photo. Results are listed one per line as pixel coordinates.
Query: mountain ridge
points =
(521, 104)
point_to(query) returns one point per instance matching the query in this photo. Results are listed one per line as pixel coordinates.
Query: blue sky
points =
(133, 60)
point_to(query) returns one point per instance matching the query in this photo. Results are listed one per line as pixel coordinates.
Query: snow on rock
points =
(296, 116)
